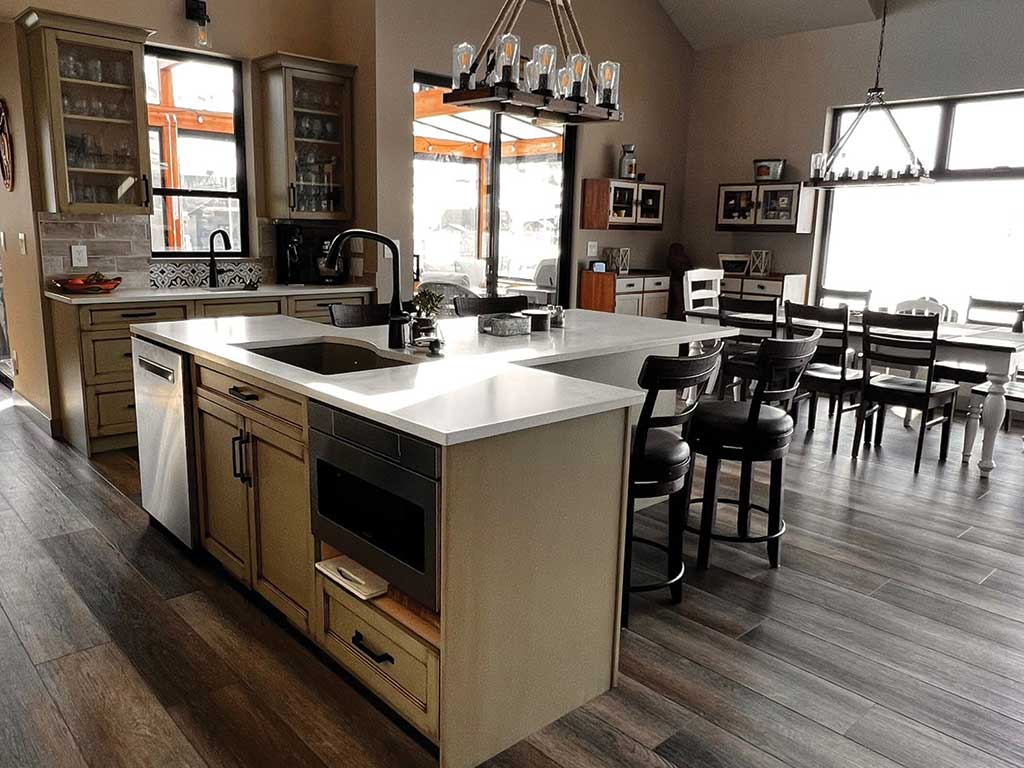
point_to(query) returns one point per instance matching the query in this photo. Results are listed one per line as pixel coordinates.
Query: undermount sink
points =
(328, 358)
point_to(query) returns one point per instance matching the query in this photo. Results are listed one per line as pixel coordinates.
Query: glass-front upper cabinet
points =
(94, 115)
(308, 137)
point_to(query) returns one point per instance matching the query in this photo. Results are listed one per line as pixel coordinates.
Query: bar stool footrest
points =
(652, 587)
(738, 539)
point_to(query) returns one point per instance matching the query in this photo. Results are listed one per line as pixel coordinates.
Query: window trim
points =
(566, 234)
(241, 192)
(941, 171)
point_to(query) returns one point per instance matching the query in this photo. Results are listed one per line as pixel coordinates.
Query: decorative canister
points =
(627, 162)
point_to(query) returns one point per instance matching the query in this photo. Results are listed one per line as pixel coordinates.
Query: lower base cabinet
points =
(389, 660)
(254, 504)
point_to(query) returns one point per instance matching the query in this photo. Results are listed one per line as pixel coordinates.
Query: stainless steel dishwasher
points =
(164, 425)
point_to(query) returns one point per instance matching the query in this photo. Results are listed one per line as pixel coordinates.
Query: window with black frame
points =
(197, 152)
(960, 237)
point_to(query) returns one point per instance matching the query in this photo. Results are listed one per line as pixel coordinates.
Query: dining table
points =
(996, 349)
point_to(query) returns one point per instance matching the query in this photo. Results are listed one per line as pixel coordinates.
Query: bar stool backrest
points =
(757, 319)
(359, 315)
(660, 374)
(471, 306)
(780, 365)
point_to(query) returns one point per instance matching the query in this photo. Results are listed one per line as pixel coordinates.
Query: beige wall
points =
(769, 99)
(656, 61)
(22, 272)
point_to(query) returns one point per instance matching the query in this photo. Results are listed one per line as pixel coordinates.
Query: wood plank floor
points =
(893, 635)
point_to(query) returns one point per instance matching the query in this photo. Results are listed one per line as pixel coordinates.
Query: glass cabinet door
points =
(651, 205)
(622, 201)
(96, 120)
(319, 146)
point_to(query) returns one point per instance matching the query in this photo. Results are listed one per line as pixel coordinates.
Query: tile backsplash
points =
(121, 245)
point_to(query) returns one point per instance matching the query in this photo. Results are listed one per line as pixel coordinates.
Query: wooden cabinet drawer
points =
(244, 308)
(107, 318)
(110, 409)
(656, 283)
(319, 304)
(389, 660)
(762, 287)
(732, 285)
(251, 395)
(629, 284)
(106, 357)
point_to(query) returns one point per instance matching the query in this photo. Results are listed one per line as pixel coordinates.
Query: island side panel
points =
(532, 533)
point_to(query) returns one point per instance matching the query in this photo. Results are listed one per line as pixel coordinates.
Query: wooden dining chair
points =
(471, 306)
(908, 342)
(757, 320)
(833, 298)
(927, 306)
(997, 314)
(701, 288)
(829, 372)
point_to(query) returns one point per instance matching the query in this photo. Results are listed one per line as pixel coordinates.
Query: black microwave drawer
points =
(410, 452)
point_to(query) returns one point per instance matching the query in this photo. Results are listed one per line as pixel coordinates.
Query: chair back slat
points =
(661, 374)
(803, 319)
(998, 314)
(856, 301)
(906, 341)
(471, 306)
(926, 306)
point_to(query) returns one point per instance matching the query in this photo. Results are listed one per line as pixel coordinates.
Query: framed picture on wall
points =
(737, 204)
(777, 204)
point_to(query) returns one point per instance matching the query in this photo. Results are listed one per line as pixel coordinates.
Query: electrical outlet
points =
(355, 245)
(22, 244)
(79, 256)
(592, 249)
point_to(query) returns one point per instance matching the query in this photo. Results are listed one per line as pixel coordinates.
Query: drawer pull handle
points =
(377, 658)
(126, 354)
(245, 397)
(131, 315)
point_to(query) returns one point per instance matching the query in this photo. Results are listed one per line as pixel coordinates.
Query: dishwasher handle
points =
(156, 369)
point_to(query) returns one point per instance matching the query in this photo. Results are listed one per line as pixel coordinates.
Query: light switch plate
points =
(592, 249)
(356, 245)
(79, 256)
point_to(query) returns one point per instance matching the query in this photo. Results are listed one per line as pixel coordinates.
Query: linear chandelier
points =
(823, 170)
(539, 89)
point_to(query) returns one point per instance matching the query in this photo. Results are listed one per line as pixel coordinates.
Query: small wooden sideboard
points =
(640, 292)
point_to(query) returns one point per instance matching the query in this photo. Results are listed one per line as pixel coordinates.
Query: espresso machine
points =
(302, 254)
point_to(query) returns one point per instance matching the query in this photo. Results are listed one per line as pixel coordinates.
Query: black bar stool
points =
(660, 461)
(728, 431)
(756, 319)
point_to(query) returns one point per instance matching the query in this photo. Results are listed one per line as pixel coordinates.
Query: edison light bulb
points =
(462, 65)
(564, 83)
(579, 66)
(610, 75)
(507, 64)
(546, 57)
(202, 35)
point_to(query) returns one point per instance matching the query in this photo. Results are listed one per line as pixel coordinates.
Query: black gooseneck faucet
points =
(398, 319)
(215, 273)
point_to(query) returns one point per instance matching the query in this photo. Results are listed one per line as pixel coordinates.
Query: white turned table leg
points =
(971, 428)
(992, 416)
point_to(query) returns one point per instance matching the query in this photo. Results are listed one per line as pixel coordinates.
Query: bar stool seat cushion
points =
(665, 449)
(724, 422)
(826, 372)
(887, 381)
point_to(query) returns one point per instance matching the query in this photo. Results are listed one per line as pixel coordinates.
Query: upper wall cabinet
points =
(89, 103)
(622, 204)
(307, 128)
(775, 207)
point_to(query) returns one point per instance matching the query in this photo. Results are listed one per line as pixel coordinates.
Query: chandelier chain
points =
(881, 45)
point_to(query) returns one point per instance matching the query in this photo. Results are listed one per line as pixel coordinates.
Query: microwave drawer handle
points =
(245, 397)
(377, 658)
(156, 369)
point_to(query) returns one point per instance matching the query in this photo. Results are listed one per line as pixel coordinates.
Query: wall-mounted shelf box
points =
(621, 204)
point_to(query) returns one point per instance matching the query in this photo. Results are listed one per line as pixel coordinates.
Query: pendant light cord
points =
(881, 45)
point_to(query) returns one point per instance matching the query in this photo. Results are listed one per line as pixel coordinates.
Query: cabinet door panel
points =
(628, 304)
(223, 497)
(282, 542)
(655, 305)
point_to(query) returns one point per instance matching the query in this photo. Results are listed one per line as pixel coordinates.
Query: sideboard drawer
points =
(629, 284)
(762, 287)
(321, 303)
(255, 308)
(656, 283)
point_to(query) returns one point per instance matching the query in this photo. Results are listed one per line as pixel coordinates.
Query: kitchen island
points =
(508, 619)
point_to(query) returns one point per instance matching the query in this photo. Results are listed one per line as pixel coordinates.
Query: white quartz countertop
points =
(482, 386)
(147, 295)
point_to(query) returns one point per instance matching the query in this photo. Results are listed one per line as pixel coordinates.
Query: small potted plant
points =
(428, 304)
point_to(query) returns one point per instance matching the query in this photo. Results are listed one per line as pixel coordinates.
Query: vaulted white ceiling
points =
(710, 23)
